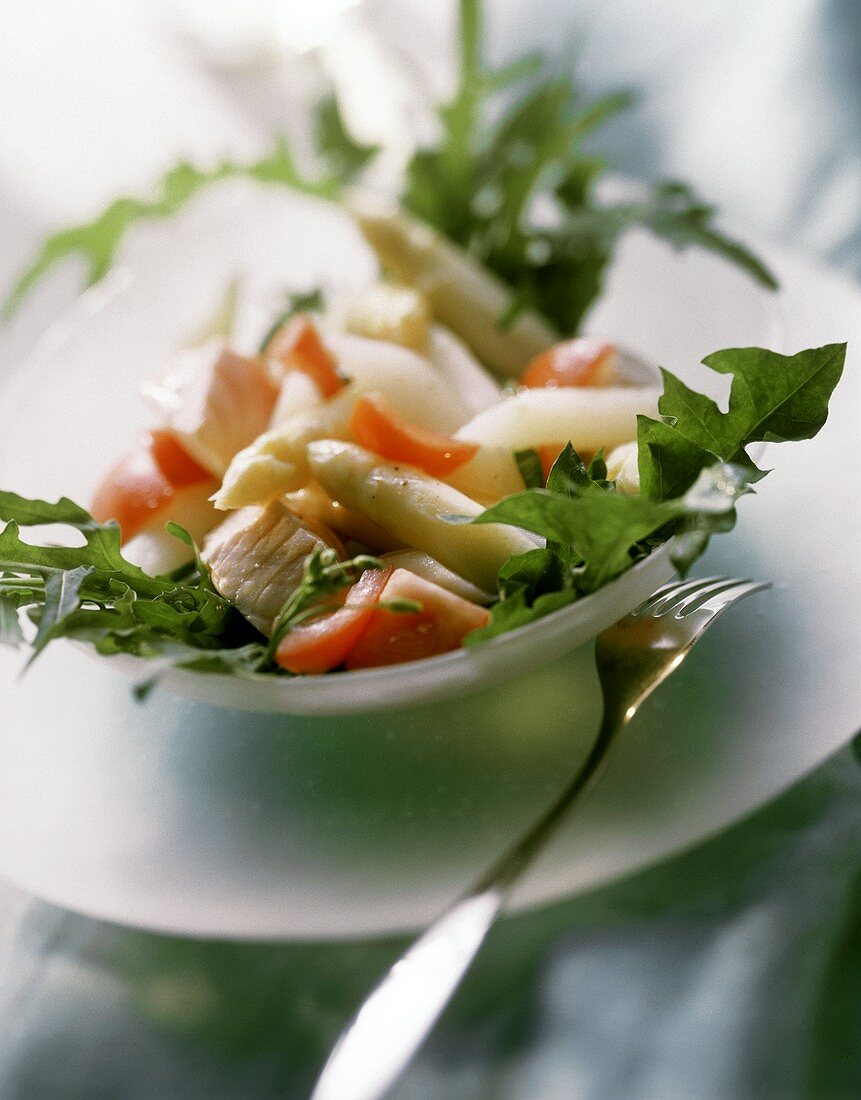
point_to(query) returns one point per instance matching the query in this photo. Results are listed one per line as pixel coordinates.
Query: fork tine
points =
(668, 594)
(720, 601)
(696, 598)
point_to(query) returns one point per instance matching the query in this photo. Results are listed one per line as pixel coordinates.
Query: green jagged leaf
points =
(93, 594)
(480, 185)
(667, 460)
(97, 242)
(529, 465)
(693, 465)
(675, 214)
(772, 397)
(600, 527)
(569, 476)
(344, 156)
(530, 585)
(62, 598)
(11, 633)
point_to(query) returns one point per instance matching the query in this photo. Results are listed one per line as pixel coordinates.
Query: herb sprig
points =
(483, 185)
(91, 593)
(520, 194)
(97, 242)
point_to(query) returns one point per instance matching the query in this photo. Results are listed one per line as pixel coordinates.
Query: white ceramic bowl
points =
(211, 820)
(434, 679)
(659, 303)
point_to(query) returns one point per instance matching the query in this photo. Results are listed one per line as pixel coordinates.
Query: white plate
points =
(186, 817)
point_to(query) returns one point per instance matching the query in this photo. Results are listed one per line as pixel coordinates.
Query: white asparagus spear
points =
(409, 504)
(399, 314)
(588, 417)
(461, 370)
(465, 296)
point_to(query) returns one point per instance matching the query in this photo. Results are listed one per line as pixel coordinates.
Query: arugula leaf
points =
(535, 572)
(529, 465)
(180, 533)
(483, 183)
(98, 241)
(568, 475)
(772, 397)
(600, 527)
(62, 598)
(674, 213)
(694, 467)
(101, 551)
(10, 628)
(92, 593)
(344, 156)
(515, 611)
(480, 185)
(709, 507)
(666, 459)
(597, 468)
(530, 585)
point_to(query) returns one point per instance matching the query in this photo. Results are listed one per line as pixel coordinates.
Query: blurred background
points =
(729, 972)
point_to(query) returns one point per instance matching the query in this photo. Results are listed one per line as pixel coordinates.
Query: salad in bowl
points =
(423, 470)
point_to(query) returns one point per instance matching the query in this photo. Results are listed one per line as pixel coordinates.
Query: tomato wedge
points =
(144, 483)
(175, 462)
(374, 424)
(297, 344)
(132, 492)
(392, 637)
(321, 644)
(577, 362)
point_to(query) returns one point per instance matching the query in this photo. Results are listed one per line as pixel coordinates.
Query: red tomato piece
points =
(297, 344)
(175, 462)
(321, 644)
(374, 424)
(393, 637)
(578, 362)
(132, 493)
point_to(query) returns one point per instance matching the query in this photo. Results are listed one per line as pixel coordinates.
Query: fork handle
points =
(398, 1015)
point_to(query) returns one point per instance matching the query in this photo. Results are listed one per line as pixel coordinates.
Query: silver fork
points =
(632, 658)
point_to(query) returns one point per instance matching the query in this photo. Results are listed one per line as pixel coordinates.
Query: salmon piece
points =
(215, 402)
(256, 558)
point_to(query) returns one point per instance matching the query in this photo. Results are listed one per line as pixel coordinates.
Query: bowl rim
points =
(427, 679)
